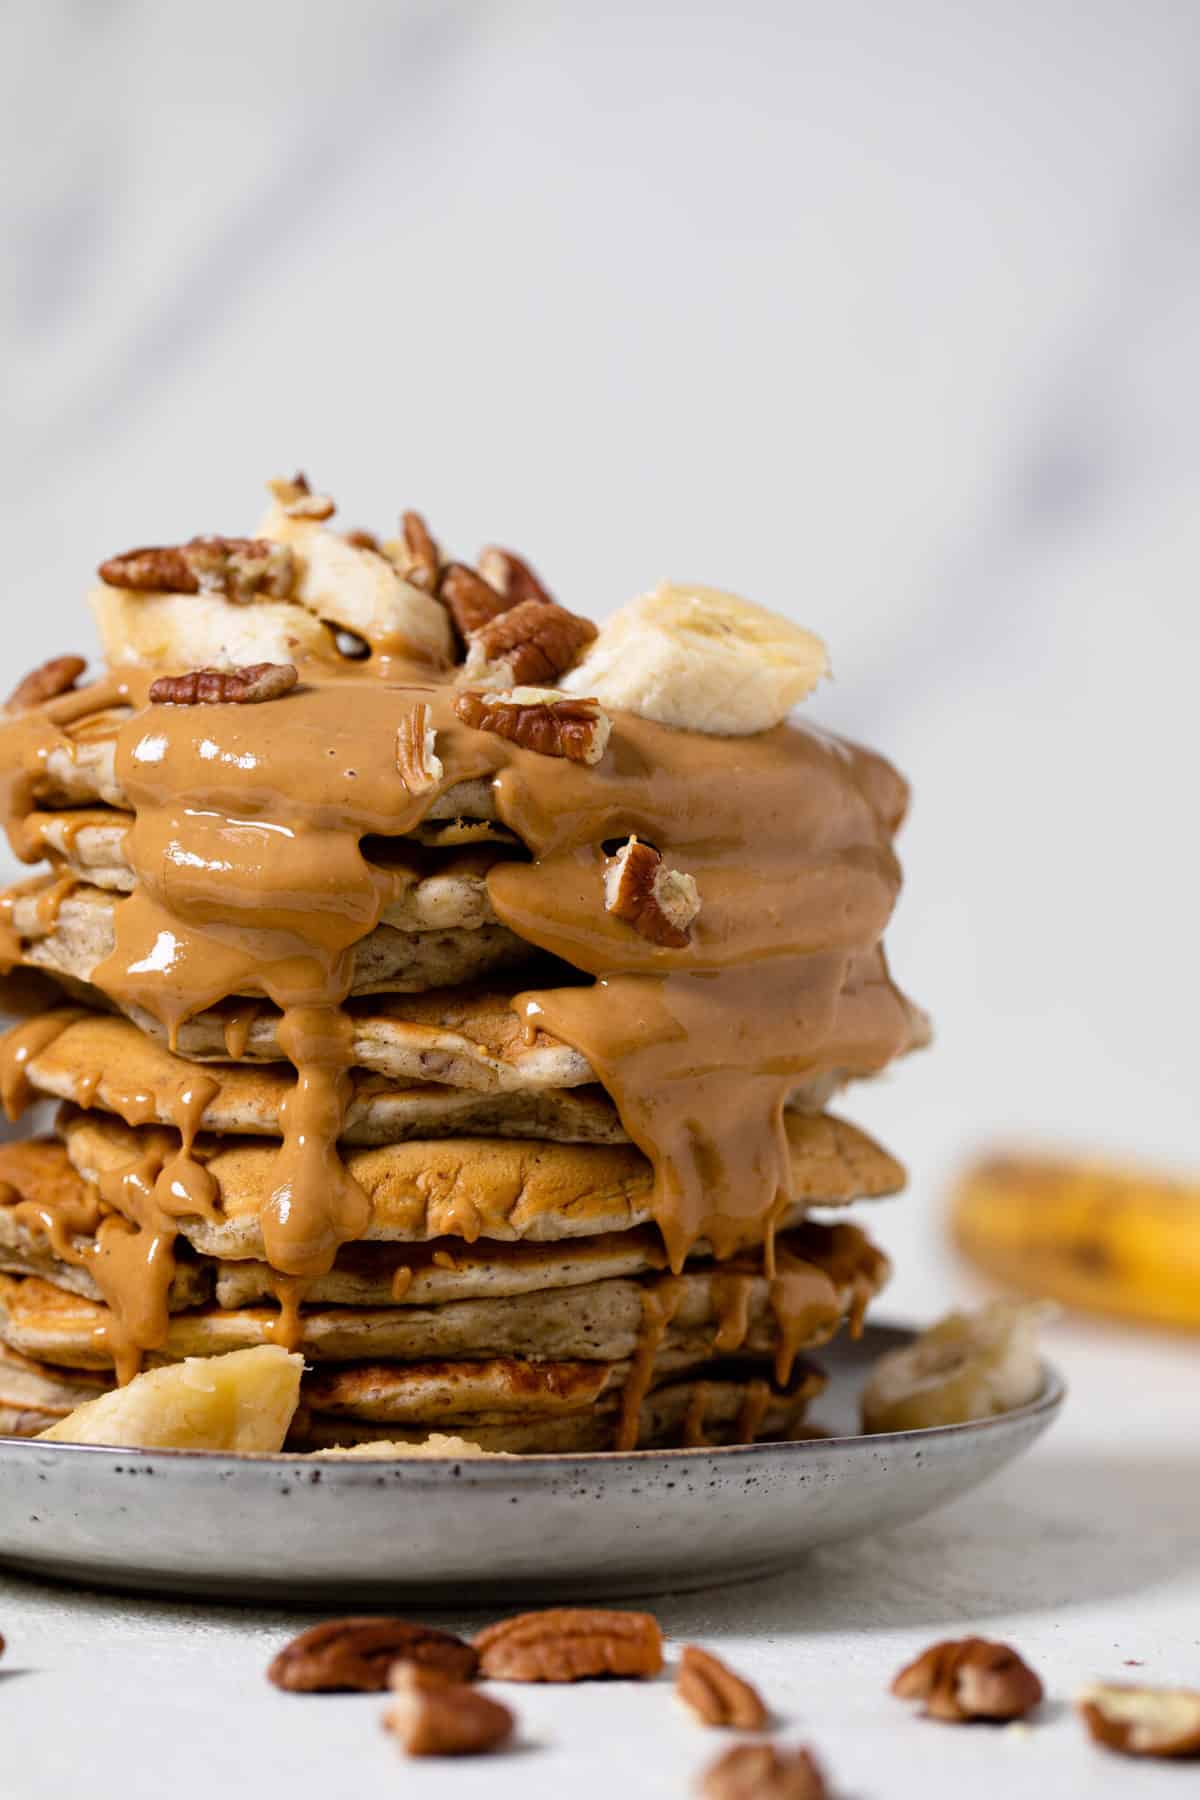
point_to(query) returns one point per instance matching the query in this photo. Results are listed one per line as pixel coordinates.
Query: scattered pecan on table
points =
(359, 1655)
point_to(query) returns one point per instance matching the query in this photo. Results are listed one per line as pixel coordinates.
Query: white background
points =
(884, 315)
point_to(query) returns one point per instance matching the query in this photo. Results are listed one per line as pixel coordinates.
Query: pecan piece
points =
(511, 576)
(432, 1716)
(659, 903)
(421, 558)
(761, 1772)
(419, 765)
(215, 687)
(297, 500)
(238, 568)
(530, 644)
(539, 719)
(969, 1678)
(471, 602)
(715, 1694)
(360, 1654)
(1141, 1721)
(50, 679)
(363, 540)
(570, 1643)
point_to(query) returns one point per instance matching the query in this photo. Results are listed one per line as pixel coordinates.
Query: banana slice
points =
(701, 660)
(242, 1401)
(359, 590)
(967, 1366)
(198, 631)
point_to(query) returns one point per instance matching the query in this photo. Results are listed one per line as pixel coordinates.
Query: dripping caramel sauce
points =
(251, 885)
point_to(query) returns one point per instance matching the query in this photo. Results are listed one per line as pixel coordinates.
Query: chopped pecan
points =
(659, 903)
(715, 1694)
(419, 765)
(530, 644)
(969, 1678)
(297, 499)
(471, 602)
(539, 719)
(511, 576)
(238, 568)
(570, 1643)
(1141, 1721)
(46, 682)
(360, 1654)
(421, 559)
(363, 540)
(432, 1716)
(761, 1772)
(214, 687)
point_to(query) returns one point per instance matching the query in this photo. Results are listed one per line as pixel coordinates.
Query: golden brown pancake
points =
(104, 1062)
(471, 1188)
(730, 1309)
(713, 1409)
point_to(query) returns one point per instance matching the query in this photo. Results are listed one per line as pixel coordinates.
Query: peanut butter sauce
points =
(252, 885)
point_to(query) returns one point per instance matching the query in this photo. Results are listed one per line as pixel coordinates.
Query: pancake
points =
(459, 1037)
(717, 1409)
(34, 1394)
(470, 1188)
(104, 1062)
(431, 892)
(71, 934)
(731, 1308)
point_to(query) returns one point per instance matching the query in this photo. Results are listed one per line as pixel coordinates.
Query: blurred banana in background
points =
(1120, 1241)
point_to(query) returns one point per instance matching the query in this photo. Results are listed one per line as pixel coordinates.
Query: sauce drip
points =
(252, 886)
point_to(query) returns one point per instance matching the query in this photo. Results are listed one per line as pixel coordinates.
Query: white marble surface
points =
(885, 316)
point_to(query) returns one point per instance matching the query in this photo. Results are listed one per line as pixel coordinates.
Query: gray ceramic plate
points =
(291, 1529)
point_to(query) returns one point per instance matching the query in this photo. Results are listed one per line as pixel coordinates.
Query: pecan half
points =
(715, 1694)
(761, 1772)
(570, 1643)
(539, 719)
(531, 644)
(56, 676)
(215, 687)
(471, 602)
(435, 1717)
(421, 557)
(360, 1654)
(297, 499)
(660, 903)
(511, 576)
(238, 568)
(420, 767)
(969, 1678)
(1141, 1721)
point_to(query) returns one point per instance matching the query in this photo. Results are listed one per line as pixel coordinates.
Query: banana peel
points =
(1117, 1241)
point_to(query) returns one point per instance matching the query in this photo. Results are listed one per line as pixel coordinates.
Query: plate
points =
(294, 1529)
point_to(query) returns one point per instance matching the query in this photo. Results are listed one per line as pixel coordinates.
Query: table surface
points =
(1086, 1556)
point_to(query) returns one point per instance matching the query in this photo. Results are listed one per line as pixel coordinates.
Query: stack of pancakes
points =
(353, 1055)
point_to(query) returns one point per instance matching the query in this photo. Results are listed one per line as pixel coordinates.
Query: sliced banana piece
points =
(967, 1366)
(700, 660)
(242, 1401)
(360, 590)
(196, 631)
